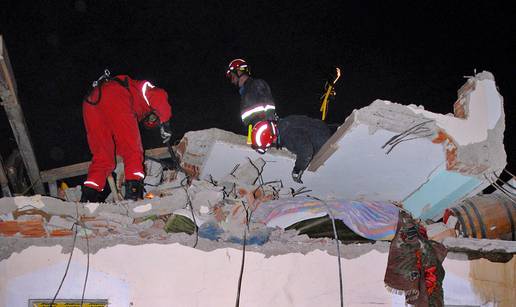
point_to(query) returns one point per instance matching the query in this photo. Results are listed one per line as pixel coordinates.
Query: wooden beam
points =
(17, 120)
(65, 172)
(82, 168)
(4, 183)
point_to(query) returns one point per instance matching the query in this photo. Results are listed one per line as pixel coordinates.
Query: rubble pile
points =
(219, 210)
(216, 210)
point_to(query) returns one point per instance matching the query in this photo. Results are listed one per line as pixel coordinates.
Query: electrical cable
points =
(505, 183)
(513, 176)
(501, 189)
(237, 303)
(76, 224)
(67, 265)
(299, 191)
(337, 243)
(260, 171)
(87, 257)
(247, 219)
(395, 143)
(416, 129)
(189, 204)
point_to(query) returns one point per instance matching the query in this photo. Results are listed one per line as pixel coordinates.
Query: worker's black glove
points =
(296, 175)
(165, 132)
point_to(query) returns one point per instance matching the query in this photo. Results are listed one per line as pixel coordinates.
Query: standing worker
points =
(111, 114)
(256, 103)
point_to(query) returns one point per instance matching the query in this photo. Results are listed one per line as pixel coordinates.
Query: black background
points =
(406, 52)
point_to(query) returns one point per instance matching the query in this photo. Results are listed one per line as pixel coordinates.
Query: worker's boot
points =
(134, 189)
(297, 174)
(89, 195)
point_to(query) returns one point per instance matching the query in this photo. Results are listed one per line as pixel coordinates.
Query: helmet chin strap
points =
(239, 77)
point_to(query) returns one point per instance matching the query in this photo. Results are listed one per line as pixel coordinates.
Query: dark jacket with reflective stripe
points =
(255, 93)
(303, 136)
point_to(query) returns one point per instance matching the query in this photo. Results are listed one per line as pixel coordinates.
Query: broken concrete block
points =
(481, 245)
(156, 231)
(119, 218)
(439, 231)
(204, 195)
(173, 181)
(196, 145)
(73, 193)
(145, 224)
(59, 222)
(157, 206)
(452, 222)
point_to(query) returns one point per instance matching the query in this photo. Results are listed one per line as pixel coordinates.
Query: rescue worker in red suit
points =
(111, 114)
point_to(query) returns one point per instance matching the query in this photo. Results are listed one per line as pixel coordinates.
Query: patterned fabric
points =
(414, 267)
(371, 220)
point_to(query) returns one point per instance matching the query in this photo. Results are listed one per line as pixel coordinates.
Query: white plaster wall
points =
(176, 275)
(485, 110)
(361, 169)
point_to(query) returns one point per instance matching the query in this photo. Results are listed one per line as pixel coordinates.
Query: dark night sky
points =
(410, 52)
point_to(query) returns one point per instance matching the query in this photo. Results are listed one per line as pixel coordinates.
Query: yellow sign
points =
(68, 303)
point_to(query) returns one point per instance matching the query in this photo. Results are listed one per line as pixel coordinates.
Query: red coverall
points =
(113, 123)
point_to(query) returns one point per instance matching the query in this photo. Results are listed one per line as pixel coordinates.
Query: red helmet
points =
(237, 64)
(264, 134)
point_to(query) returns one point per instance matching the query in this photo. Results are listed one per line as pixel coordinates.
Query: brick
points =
(9, 228)
(61, 233)
(32, 229)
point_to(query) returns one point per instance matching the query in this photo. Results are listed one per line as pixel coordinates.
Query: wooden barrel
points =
(486, 217)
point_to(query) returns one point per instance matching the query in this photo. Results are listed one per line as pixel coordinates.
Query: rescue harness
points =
(101, 81)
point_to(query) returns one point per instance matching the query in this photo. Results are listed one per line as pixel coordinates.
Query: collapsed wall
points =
(426, 161)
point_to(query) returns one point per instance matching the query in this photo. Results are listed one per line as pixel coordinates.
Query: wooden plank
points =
(17, 120)
(4, 183)
(112, 185)
(158, 153)
(82, 168)
(65, 172)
